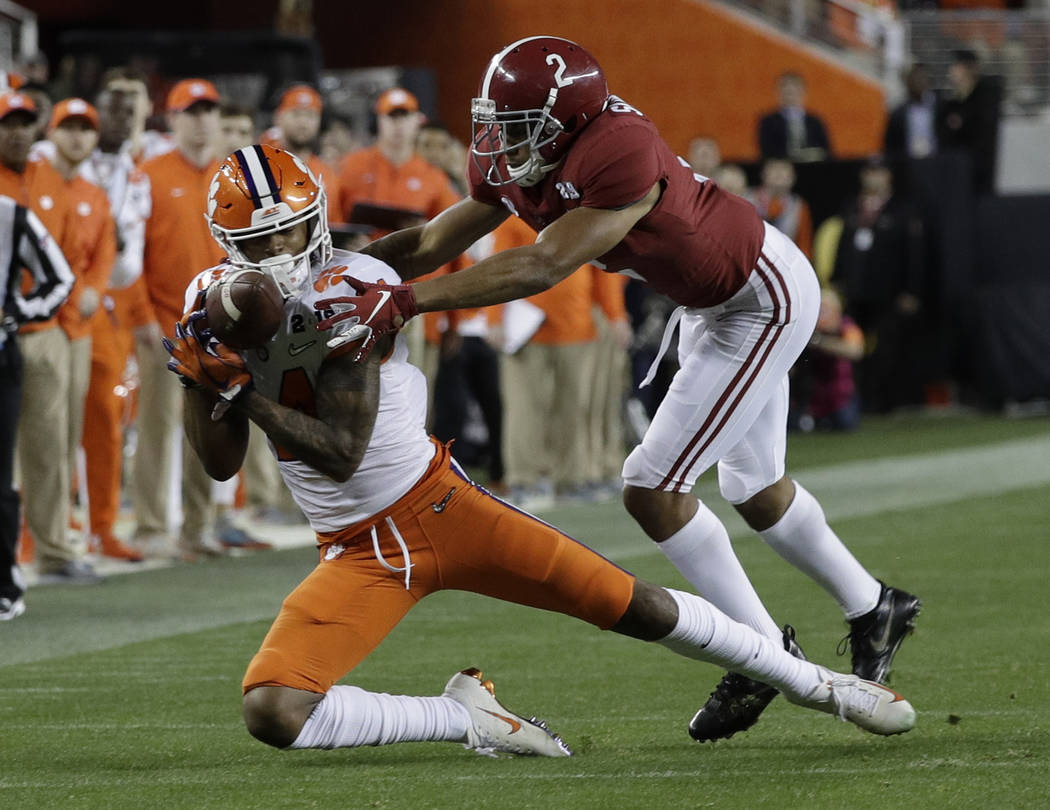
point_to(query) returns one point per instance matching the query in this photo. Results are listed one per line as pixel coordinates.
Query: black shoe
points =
(737, 701)
(875, 637)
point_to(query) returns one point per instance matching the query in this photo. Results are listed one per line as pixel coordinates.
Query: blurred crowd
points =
(541, 396)
(874, 256)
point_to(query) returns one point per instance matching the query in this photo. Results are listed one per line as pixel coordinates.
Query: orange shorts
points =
(458, 537)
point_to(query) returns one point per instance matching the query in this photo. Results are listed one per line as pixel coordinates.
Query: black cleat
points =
(875, 637)
(737, 701)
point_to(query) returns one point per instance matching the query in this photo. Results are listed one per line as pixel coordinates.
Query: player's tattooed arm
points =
(413, 252)
(347, 399)
(219, 444)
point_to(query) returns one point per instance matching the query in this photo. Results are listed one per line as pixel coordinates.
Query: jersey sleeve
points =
(620, 168)
(131, 229)
(38, 252)
(200, 282)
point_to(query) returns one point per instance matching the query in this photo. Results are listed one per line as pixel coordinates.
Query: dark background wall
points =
(692, 67)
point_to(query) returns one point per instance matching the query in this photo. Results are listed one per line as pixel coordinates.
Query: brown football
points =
(245, 308)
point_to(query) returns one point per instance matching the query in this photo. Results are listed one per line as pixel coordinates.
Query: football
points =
(245, 308)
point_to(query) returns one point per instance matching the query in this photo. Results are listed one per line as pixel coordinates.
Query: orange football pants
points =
(456, 537)
(112, 343)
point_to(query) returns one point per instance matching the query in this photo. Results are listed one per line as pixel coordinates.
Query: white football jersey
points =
(285, 370)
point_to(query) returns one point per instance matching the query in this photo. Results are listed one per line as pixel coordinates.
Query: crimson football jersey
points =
(699, 243)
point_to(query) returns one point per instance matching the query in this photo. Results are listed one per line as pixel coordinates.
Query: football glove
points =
(201, 361)
(376, 310)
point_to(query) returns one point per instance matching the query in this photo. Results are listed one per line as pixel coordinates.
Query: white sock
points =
(803, 537)
(701, 551)
(706, 634)
(348, 716)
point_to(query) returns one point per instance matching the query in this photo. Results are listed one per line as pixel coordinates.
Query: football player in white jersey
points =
(395, 518)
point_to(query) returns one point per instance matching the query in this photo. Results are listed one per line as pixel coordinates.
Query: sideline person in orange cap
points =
(178, 244)
(390, 173)
(73, 132)
(43, 434)
(297, 126)
(189, 92)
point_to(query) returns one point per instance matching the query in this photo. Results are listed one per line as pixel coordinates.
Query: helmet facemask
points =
(500, 135)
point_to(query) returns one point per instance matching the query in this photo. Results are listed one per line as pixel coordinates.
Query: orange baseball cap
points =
(300, 97)
(188, 92)
(73, 108)
(396, 99)
(16, 102)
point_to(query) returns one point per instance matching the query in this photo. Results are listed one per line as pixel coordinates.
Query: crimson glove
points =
(376, 310)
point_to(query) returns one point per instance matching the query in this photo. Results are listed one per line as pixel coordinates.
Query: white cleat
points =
(493, 727)
(872, 706)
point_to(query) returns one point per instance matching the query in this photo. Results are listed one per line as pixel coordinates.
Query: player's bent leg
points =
(276, 715)
(763, 509)
(799, 532)
(349, 717)
(660, 514)
(651, 614)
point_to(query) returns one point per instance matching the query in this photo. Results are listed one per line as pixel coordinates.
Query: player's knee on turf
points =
(276, 714)
(651, 614)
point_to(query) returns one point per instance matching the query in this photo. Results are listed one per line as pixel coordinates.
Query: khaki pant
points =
(43, 452)
(606, 411)
(546, 394)
(159, 414)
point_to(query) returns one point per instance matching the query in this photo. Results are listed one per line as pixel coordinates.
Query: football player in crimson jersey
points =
(591, 175)
(396, 519)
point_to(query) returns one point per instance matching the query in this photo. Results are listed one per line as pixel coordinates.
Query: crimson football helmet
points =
(536, 95)
(260, 190)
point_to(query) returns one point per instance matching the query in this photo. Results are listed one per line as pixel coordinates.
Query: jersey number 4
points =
(296, 393)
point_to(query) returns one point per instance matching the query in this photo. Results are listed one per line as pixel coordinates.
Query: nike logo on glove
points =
(384, 296)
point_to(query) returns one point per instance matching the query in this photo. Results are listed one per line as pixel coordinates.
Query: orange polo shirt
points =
(93, 253)
(178, 244)
(367, 175)
(567, 303)
(607, 289)
(42, 190)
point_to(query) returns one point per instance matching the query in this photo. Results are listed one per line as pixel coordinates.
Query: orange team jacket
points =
(178, 244)
(437, 323)
(322, 171)
(367, 175)
(93, 254)
(567, 303)
(607, 289)
(41, 189)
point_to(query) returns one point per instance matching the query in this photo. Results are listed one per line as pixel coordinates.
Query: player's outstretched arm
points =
(414, 252)
(347, 398)
(572, 240)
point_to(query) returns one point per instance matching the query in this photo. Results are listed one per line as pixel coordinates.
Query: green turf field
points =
(127, 695)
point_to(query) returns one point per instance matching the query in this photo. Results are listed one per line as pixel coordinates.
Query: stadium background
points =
(694, 67)
(126, 696)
